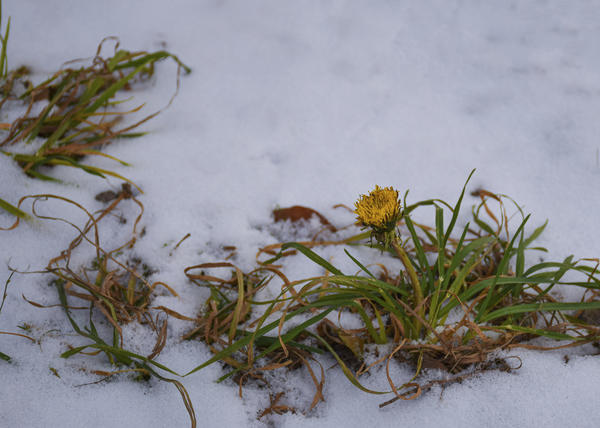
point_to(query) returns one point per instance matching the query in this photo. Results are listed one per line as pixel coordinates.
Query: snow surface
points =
(311, 103)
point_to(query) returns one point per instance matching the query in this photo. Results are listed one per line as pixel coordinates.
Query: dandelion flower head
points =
(380, 209)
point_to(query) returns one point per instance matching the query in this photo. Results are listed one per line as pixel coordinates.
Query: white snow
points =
(310, 103)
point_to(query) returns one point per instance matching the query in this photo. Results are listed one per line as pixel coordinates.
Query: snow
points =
(310, 103)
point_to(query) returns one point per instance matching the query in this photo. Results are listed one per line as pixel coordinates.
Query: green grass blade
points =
(456, 210)
(312, 256)
(359, 264)
(91, 90)
(520, 263)
(122, 355)
(479, 250)
(540, 307)
(11, 209)
(421, 256)
(477, 288)
(6, 288)
(3, 59)
(536, 234)
(156, 56)
(65, 85)
(362, 282)
(100, 172)
(439, 230)
(567, 265)
(501, 270)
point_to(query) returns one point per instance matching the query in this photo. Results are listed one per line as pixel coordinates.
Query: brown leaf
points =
(298, 212)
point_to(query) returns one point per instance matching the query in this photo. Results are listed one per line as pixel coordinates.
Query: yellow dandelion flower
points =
(380, 209)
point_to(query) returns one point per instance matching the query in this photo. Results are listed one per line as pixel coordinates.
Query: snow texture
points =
(310, 103)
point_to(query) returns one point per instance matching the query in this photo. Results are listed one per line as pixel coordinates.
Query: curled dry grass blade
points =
(463, 294)
(78, 112)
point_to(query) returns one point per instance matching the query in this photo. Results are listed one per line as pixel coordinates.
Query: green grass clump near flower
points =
(462, 294)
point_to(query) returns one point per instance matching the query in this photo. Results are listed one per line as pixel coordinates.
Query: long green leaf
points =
(3, 59)
(540, 307)
(312, 256)
(536, 233)
(457, 209)
(500, 270)
(359, 264)
(13, 210)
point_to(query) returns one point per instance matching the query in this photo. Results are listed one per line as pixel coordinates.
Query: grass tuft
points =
(74, 113)
(463, 294)
(114, 286)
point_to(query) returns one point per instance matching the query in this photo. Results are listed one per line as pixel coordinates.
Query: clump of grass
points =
(228, 308)
(79, 113)
(463, 294)
(118, 288)
(114, 285)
